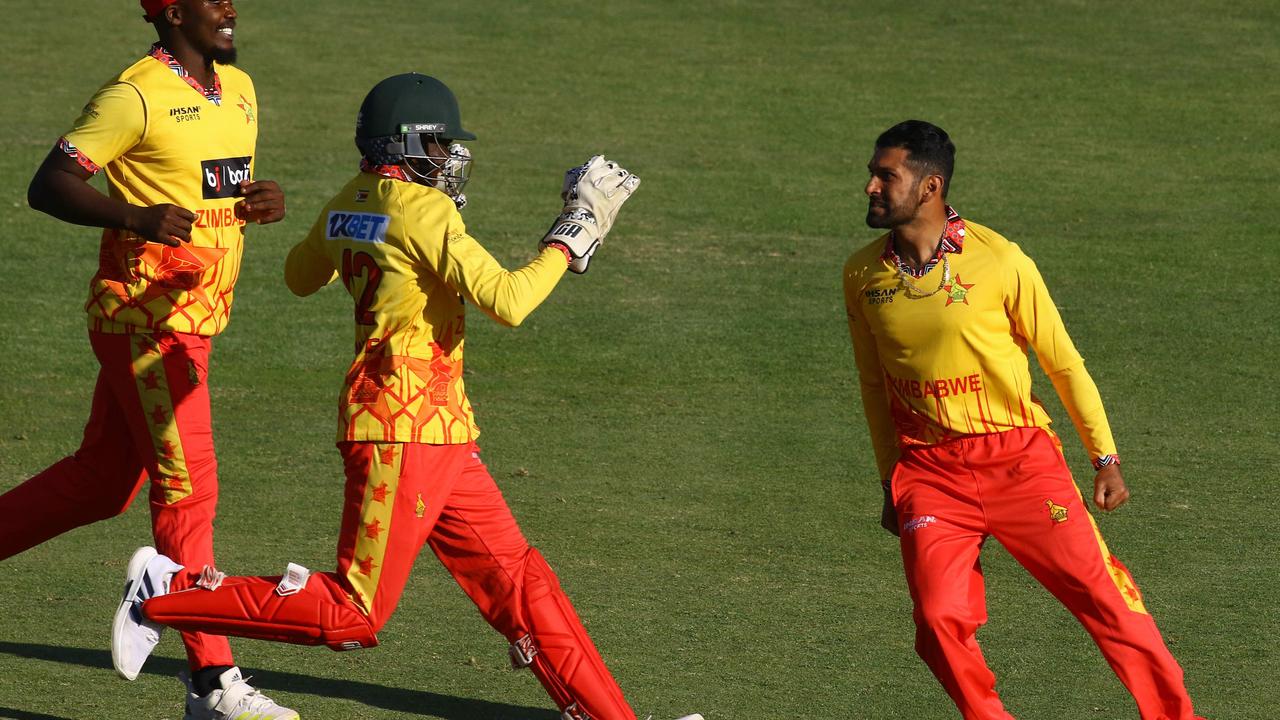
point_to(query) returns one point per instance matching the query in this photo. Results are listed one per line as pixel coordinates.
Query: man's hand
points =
(164, 223)
(593, 193)
(263, 202)
(889, 516)
(1109, 491)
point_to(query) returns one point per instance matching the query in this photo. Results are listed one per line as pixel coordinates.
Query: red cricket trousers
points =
(399, 497)
(149, 419)
(1015, 486)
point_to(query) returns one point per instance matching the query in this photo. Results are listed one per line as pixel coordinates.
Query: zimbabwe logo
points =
(957, 292)
(1056, 511)
(247, 107)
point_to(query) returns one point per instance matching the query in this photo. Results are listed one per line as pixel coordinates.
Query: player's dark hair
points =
(929, 148)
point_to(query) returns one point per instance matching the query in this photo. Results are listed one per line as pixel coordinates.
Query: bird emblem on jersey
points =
(247, 107)
(1056, 511)
(957, 292)
(421, 508)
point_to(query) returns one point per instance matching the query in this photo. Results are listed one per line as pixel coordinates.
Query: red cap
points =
(153, 8)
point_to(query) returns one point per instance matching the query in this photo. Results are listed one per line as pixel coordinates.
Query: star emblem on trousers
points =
(366, 566)
(387, 455)
(373, 529)
(380, 493)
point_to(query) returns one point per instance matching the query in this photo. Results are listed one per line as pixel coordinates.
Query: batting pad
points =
(560, 653)
(318, 613)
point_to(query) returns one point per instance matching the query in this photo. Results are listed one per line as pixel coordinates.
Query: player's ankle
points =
(205, 680)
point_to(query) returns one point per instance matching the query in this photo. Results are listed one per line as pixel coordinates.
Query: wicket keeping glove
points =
(593, 193)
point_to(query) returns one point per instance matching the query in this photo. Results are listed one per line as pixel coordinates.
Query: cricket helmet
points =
(405, 108)
(397, 122)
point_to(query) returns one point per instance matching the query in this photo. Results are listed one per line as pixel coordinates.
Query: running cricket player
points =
(395, 239)
(176, 134)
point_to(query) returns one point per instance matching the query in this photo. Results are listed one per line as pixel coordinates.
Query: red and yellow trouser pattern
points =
(149, 419)
(398, 497)
(1016, 487)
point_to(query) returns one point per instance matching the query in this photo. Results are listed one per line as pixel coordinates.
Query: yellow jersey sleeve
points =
(112, 123)
(464, 265)
(308, 268)
(875, 394)
(1037, 321)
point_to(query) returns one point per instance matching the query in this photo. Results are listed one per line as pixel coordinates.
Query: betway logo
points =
(222, 177)
(361, 227)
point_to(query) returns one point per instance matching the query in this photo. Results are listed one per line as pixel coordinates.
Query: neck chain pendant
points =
(915, 292)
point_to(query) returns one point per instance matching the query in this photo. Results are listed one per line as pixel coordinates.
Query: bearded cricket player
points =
(942, 312)
(176, 135)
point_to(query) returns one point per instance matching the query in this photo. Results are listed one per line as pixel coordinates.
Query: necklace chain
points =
(914, 291)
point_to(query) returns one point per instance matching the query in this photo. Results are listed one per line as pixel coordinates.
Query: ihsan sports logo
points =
(358, 226)
(221, 178)
(918, 523)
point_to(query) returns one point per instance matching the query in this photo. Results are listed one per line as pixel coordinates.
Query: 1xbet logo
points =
(222, 178)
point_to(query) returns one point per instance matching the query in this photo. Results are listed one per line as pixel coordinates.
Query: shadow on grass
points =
(403, 700)
(11, 714)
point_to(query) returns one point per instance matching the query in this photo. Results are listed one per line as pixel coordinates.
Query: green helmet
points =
(410, 103)
(395, 117)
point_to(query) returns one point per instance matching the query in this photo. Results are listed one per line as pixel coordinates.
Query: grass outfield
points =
(679, 430)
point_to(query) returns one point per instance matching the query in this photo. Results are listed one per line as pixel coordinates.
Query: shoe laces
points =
(250, 699)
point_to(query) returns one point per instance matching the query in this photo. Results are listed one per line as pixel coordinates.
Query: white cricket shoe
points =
(234, 699)
(133, 637)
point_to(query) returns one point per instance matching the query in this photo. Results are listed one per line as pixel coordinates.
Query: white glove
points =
(592, 193)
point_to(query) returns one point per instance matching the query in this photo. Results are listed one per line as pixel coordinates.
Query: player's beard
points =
(224, 57)
(893, 215)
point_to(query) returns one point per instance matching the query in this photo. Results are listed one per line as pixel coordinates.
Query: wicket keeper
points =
(942, 312)
(395, 239)
(176, 135)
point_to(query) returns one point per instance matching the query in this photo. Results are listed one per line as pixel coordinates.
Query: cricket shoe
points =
(234, 699)
(133, 637)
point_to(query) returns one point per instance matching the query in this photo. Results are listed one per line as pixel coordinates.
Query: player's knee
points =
(936, 618)
(537, 578)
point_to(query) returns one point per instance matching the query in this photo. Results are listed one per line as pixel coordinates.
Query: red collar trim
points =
(213, 94)
(952, 241)
(395, 172)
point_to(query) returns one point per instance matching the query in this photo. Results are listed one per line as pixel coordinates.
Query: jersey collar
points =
(952, 241)
(395, 172)
(212, 94)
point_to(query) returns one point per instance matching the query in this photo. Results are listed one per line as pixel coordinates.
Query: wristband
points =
(1105, 460)
(568, 256)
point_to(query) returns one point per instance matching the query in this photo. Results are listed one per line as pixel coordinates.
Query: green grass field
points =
(679, 430)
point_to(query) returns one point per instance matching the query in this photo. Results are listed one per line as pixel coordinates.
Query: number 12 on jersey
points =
(361, 264)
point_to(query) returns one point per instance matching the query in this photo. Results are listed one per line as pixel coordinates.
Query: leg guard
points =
(556, 647)
(319, 612)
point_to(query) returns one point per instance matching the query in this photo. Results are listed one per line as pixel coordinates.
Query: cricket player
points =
(407, 434)
(942, 312)
(176, 135)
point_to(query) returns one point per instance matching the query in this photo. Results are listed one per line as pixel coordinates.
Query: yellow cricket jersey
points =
(955, 363)
(162, 139)
(405, 257)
